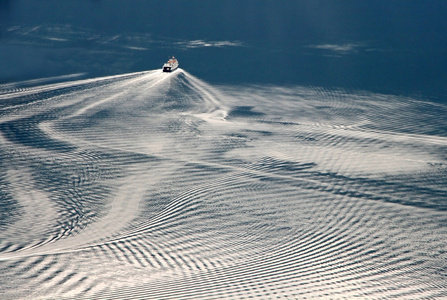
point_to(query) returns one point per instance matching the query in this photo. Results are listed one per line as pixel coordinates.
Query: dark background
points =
(386, 46)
